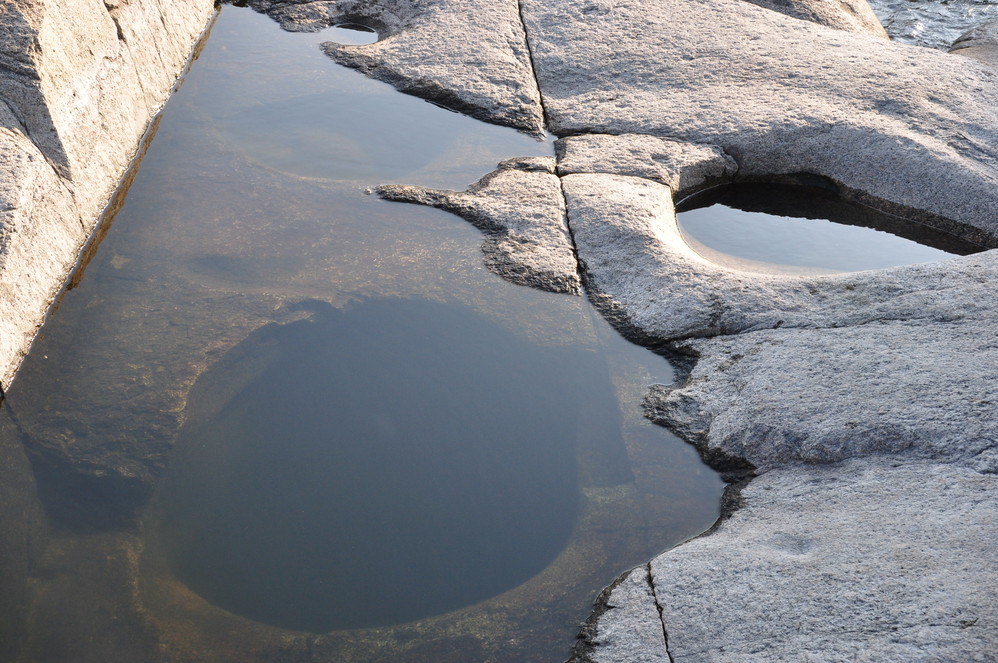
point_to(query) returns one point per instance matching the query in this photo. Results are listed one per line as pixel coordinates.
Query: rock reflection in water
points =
(397, 448)
(224, 233)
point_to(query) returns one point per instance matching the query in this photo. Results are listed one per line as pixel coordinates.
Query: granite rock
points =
(79, 84)
(980, 43)
(469, 56)
(521, 210)
(908, 129)
(850, 15)
(683, 167)
(871, 560)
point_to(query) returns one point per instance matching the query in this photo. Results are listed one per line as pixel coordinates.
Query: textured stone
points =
(79, 83)
(850, 15)
(521, 210)
(628, 628)
(905, 128)
(873, 560)
(643, 274)
(919, 389)
(980, 43)
(468, 55)
(683, 167)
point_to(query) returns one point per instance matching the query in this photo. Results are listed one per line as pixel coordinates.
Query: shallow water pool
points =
(280, 419)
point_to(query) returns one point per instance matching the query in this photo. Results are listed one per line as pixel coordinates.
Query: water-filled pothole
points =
(371, 466)
(350, 33)
(785, 228)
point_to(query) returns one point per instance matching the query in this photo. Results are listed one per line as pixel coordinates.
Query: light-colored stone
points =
(906, 128)
(918, 389)
(850, 15)
(874, 560)
(980, 43)
(683, 167)
(628, 628)
(637, 264)
(467, 55)
(79, 83)
(521, 210)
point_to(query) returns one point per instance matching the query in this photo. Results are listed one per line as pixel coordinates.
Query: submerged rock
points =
(521, 210)
(79, 84)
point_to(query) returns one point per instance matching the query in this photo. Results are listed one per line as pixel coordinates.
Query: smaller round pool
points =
(790, 228)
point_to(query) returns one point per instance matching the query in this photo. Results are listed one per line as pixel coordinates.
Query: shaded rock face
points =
(79, 83)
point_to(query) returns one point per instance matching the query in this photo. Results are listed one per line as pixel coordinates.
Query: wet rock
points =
(470, 56)
(981, 43)
(521, 210)
(872, 560)
(851, 15)
(79, 83)
(906, 128)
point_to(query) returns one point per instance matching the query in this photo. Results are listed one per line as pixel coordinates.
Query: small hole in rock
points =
(789, 228)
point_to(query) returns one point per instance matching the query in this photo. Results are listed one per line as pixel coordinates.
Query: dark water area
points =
(398, 448)
(278, 419)
(933, 23)
(798, 229)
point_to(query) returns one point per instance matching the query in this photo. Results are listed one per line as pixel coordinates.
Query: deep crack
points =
(661, 611)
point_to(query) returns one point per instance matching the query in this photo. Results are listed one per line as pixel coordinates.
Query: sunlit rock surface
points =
(870, 560)
(863, 401)
(79, 83)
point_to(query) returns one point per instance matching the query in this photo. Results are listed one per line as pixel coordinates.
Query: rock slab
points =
(79, 84)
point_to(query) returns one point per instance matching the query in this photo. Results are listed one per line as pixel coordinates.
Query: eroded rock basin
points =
(228, 247)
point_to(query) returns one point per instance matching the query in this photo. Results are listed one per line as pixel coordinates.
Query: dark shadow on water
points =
(394, 460)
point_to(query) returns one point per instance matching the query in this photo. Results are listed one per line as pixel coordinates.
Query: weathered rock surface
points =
(683, 167)
(904, 127)
(635, 259)
(521, 210)
(893, 368)
(850, 15)
(872, 560)
(981, 43)
(79, 82)
(470, 56)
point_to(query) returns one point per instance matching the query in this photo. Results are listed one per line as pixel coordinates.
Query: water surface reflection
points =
(244, 225)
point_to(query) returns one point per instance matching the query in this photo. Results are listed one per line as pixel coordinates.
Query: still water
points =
(279, 419)
(797, 229)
